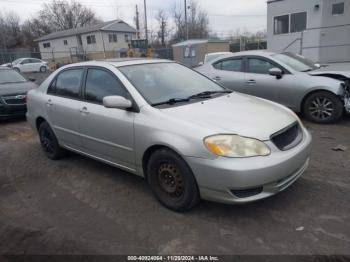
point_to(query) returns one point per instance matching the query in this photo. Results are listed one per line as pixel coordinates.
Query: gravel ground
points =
(80, 206)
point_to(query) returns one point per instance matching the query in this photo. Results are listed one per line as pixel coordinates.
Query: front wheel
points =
(323, 107)
(43, 69)
(49, 142)
(172, 181)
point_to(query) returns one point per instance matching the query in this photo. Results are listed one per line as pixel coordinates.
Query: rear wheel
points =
(323, 107)
(49, 142)
(172, 181)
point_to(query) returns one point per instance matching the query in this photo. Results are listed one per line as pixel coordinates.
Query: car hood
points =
(333, 69)
(236, 114)
(16, 88)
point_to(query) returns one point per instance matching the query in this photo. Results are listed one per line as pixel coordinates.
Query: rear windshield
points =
(10, 76)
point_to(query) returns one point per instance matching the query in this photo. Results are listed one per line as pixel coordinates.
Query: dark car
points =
(13, 93)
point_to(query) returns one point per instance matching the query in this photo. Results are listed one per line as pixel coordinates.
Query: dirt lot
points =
(80, 206)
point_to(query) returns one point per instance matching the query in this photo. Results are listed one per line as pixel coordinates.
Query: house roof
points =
(114, 25)
(198, 41)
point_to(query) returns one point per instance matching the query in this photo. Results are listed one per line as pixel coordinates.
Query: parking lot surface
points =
(80, 206)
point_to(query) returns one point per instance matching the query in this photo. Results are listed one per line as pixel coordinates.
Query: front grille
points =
(288, 137)
(15, 99)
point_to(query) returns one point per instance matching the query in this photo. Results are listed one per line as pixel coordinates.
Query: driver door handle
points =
(49, 102)
(251, 81)
(217, 78)
(84, 110)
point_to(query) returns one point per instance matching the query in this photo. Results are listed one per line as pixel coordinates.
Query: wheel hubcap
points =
(321, 108)
(47, 142)
(170, 180)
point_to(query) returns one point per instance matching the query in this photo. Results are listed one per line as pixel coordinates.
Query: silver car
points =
(188, 136)
(321, 94)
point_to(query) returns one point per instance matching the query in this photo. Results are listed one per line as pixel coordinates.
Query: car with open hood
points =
(320, 92)
(188, 136)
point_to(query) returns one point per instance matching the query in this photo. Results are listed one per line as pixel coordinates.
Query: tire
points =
(172, 181)
(323, 107)
(43, 69)
(17, 69)
(49, 142)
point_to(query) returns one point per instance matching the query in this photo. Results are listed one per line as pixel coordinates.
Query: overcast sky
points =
(225, 15)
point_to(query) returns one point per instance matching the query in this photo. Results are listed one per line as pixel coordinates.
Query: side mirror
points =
(31, 79)
(278, 73)
(116, 102)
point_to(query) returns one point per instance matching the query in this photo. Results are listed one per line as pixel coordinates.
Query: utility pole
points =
(186, 25)
(137, 22)
(145, 10)
(163, 32)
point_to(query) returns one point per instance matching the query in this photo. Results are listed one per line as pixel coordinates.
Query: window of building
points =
(112, 38)
(281, 24)
(100, 83)
(47, 45)
(65, 42)
(127, 38)
(259, 66)
(338, 9)
(190, 52)
(67, 83)
(91, 39)
(230, 65)
(298, 22)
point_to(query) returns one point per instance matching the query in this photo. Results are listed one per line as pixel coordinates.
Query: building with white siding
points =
(317, 29)
(103, 40)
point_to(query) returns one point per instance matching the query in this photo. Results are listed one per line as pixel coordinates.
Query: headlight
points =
(236, 146)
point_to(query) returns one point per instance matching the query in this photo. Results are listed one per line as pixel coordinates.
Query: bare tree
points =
(197, 22)
(62, 15)
(162, 19)
(10, 31)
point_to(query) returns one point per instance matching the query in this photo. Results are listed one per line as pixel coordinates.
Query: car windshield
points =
(295, 61)
(161, 82)
(10, 76)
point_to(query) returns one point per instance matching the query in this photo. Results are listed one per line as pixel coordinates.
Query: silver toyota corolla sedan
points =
(322, 94)
(187, 135)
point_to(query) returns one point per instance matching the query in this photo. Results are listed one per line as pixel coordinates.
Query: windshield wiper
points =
(171, 101)
(204, 94)
(209, 93)
(14, 82)
(307, 70)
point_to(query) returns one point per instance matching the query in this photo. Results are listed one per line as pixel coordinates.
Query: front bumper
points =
(258, 177)
(9, 111)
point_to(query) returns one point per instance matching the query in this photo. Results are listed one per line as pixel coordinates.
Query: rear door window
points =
(68, 83)
(234, 65)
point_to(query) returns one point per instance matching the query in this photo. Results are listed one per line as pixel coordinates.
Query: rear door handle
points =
(84, 110)
(217, 78)
(49, 102)
(251, 81)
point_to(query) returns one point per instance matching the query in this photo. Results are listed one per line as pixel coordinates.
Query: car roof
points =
(249, 53)
(118, 62)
